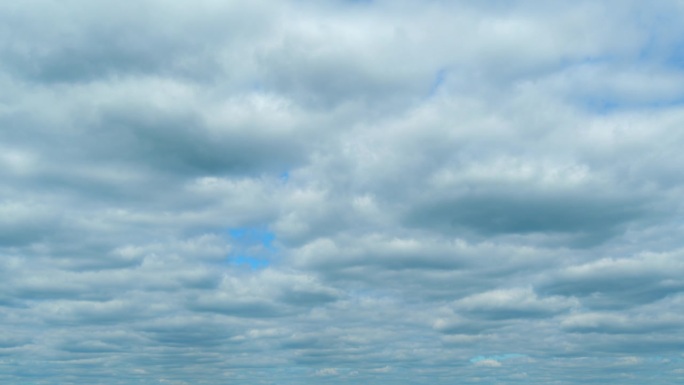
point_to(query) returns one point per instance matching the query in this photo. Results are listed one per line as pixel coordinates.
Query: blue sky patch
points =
(252, 246)
(440, 78)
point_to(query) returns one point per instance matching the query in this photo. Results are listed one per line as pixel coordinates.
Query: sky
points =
(341, 192)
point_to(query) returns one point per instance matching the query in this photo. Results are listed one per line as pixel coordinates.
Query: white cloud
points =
(327, 372)
(488, 363)
(369, 191)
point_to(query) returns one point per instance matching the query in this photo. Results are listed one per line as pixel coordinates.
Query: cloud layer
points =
(341, 192)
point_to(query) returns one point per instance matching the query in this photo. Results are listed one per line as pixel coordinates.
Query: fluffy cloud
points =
(341, 192)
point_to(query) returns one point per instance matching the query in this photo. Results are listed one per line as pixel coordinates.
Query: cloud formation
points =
(338, 192)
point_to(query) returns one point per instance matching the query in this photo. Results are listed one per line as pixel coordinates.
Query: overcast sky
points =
(341, 192)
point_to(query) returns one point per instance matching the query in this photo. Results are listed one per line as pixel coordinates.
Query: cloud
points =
(327, 372)
(609, 282)
(488, 363)
(343, 191)
(510, 304)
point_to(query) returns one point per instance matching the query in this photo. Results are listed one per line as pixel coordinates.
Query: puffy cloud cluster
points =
(379, 192)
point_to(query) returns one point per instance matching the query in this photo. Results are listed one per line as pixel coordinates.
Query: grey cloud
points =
(135, 143)
(266, 294)
(523, 213)
(378, 192)
(238, 308)
(12, 341)
(89, 347)
(173, 141)
(513, 303)
(188, 332)
(91, 312)
(23, 223)
(58, 45)
(655, 318)
(620, 282)
(612, 323)
(460, 326)
(380, 251)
